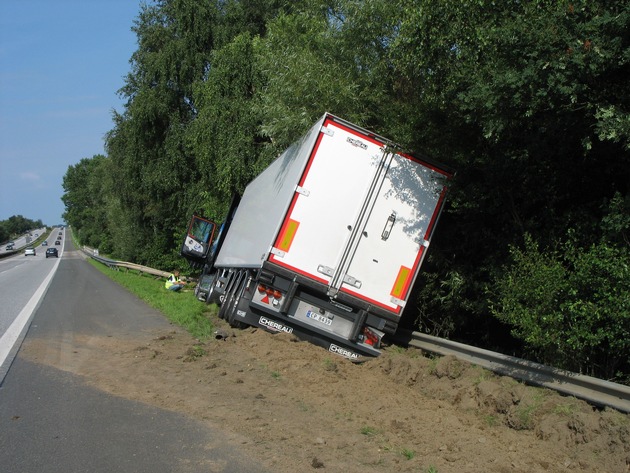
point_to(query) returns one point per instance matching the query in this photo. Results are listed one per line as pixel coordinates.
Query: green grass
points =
(181, 308)
(399, 350)
(408, 453)
(330, 365)
(367, 430)
(491, 420)
(434, 359)
(527, 410)
(566, 410)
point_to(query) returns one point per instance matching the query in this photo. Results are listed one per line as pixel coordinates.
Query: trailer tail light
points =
(371, 337)
(270, 295)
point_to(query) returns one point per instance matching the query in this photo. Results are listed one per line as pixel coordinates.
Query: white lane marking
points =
(11, 336)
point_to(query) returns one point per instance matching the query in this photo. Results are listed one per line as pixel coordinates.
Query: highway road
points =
(53, 421)
(23, 279)
(21, 241)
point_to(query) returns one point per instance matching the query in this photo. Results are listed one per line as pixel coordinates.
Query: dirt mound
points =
(300, 408)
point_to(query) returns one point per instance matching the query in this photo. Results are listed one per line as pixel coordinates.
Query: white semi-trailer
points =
(326, 243)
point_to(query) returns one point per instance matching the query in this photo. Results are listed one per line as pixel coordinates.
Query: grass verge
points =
(181, 308)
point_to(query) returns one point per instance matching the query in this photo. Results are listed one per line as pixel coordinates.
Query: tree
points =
(570, 306)
(225, 134)
(85, 201)
(151, 163)
(16, 225)
(4, 233)
(327, 56)
(512, 94)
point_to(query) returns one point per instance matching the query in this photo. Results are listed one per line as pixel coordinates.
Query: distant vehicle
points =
(57, 242)
(58, 238)
(52, 252)
(9, 247)
(29, 251)
(44, 243)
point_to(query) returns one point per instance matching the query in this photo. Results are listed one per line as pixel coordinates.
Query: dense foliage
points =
(527, 101)
(17, 225)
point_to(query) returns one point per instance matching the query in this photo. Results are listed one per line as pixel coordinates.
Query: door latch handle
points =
(389, 224)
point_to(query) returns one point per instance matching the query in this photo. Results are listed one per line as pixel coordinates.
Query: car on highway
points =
(57, 242)
(44, 243)
(9, 247)
(52, 251)
(29, 251)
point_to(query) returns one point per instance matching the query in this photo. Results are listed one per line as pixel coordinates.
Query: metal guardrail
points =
(92, 253)
(6, 254)
(593, 390)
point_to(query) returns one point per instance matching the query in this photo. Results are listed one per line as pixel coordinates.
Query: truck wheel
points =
(227, 297)
(224, 306)
(234, 301)
(213, 296)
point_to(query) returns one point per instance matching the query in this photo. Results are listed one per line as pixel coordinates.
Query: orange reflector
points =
(277, 294)
(402, 281)
(261, 288)
(288, 233)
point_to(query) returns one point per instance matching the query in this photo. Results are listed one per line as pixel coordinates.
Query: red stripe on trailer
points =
(395, 310)
(287, 218)
(302, 272)
(353, 132)
(436, 212)
(404, 292)
(427, 165)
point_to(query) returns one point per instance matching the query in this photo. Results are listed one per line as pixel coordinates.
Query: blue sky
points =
(61, 65)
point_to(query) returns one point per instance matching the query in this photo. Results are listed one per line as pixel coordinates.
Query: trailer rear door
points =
(360, 218)
(396, 232)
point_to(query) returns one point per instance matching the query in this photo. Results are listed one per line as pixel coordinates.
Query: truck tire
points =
(227, 297)
(234, 301)
(214, 297)
(232, 298)
(224, 306)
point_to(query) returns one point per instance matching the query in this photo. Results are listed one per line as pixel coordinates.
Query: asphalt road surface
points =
(20, 242)
(51, 421)
(23, 281)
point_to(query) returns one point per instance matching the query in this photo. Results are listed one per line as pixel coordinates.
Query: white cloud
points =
(30, 176)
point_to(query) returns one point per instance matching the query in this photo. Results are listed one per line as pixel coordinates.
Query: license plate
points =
(318, 317)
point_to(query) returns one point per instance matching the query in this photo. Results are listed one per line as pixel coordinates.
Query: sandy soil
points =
(298, 408)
